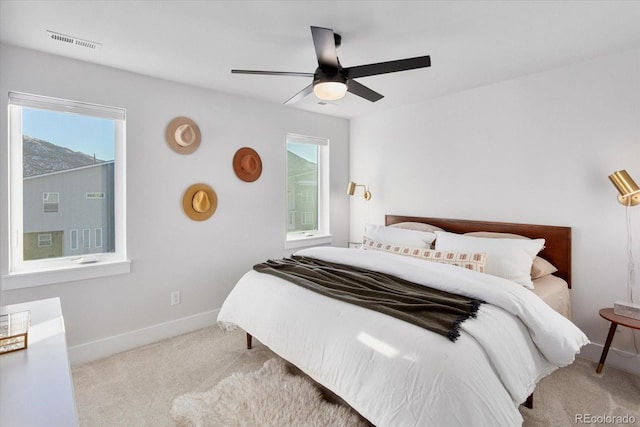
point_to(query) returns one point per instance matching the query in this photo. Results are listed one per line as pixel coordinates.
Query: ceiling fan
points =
(331, 81)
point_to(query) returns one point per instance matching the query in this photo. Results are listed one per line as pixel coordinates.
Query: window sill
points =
(68, 274)
(295, 242)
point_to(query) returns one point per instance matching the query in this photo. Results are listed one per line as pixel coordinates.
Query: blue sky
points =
(89, 135)
(306, 151)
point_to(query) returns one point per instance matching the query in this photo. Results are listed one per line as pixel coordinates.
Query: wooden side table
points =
(615, 319)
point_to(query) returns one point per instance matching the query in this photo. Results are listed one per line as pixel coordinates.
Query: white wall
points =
(169, 251)
(536, 149)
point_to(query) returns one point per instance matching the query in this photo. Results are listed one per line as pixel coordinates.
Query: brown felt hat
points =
(247, 164)
(183, 135)
(199, 202)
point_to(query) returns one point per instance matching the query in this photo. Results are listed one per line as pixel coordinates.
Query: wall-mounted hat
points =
(247, 164)
(199, 202)
(183, 135)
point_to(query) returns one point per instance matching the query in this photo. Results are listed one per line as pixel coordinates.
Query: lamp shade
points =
(626, 186)
(351, 188)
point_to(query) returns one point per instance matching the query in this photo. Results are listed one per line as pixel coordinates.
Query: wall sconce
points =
(628, 189)
(351, 189)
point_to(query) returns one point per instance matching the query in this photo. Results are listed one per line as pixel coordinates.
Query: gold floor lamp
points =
(629, 195)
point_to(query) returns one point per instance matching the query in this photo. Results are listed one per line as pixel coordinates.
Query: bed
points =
(398, 374)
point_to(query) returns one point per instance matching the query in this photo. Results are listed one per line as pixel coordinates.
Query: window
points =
(86, 238)
(50, 202)
(77, 150)
(98, 237)
(45, 240)
(308, 218)
(307, 191)
(73, 243)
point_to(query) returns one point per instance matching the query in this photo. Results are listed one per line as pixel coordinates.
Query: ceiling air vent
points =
(63, 38)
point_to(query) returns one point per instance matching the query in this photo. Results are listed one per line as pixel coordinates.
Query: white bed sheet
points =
(397, 374)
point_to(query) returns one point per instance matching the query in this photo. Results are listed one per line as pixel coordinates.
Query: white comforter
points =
(397, 374)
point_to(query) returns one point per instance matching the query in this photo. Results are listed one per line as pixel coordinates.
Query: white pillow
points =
(508, 258)
(399, 236)
(418, 226)
(540, 268)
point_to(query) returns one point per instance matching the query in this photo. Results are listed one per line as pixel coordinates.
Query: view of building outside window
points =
(302, 187)
(68, 184)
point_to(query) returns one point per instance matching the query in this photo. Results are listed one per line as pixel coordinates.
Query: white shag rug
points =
(269, 397)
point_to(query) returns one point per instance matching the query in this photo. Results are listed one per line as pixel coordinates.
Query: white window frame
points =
(97, 237)
(17, 273)
(73, 239)
(323, 234)
(86, 238)
(45, 243)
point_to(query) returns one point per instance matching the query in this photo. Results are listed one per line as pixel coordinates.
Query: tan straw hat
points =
(199, 202)
(247, 164)
(183, 135)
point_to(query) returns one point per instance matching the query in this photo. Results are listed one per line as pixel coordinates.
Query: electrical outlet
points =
(175, 297)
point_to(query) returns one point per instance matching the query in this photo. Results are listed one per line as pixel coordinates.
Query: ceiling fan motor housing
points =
(325, 75)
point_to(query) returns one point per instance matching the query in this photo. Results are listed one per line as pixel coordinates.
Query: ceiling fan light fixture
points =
(331, 81)
(330, 91)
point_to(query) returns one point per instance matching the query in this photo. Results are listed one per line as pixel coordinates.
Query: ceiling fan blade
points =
(273, 73)
(325, 45)
(300, 95)
(362, 91)
(388, 67)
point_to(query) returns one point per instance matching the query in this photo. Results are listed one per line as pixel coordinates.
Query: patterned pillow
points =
(471, 261)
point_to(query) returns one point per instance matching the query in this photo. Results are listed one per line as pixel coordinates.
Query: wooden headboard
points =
(557, 248)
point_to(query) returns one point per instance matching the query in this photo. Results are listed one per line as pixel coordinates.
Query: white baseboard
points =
(115, 344)
(615, 358)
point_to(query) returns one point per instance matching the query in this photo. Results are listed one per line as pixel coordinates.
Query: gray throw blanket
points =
(437, 311)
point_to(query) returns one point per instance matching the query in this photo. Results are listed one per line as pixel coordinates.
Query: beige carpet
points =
(137, 387)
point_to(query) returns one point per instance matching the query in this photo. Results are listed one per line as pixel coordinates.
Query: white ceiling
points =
(471, 43)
